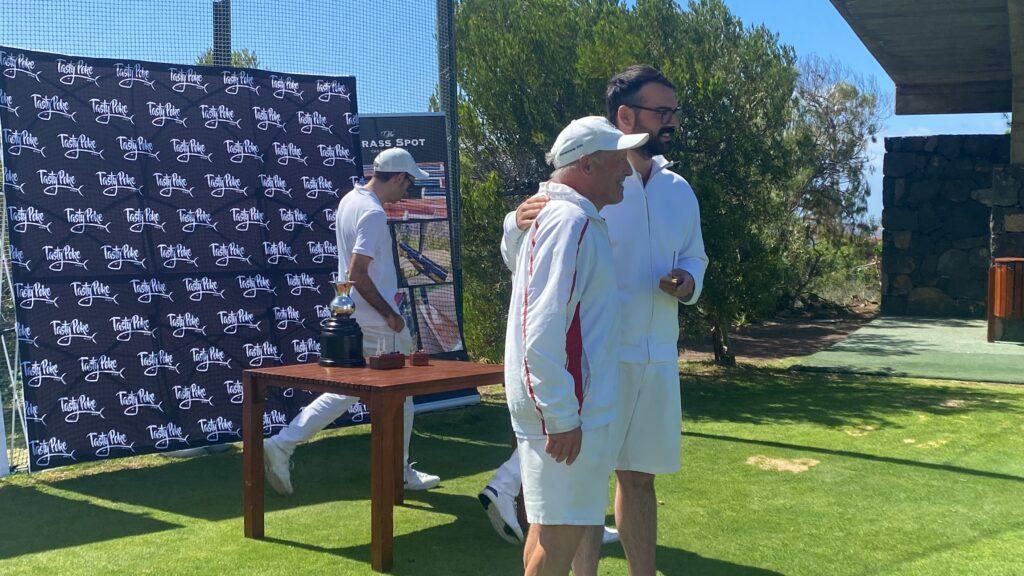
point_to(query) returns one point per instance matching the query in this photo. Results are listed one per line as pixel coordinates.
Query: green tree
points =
(243, 58)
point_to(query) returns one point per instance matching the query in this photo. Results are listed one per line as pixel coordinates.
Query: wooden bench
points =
(1005, 294)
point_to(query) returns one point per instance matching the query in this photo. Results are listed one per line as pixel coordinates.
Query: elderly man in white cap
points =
(366, 258)
(561, 349)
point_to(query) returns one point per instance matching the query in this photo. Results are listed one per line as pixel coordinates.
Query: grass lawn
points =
(783, 473)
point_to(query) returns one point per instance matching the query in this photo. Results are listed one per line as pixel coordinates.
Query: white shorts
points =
(649, 425)
(558, 494)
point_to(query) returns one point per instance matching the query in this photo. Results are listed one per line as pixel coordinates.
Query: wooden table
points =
(384, 392)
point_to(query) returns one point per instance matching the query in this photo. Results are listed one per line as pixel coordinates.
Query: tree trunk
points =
(720, 336)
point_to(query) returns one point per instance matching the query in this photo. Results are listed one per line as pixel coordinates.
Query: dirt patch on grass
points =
(862, 430)
(794, 465)
(954, 403)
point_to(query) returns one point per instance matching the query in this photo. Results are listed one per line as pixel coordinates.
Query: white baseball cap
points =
(398, 160)
(588, 135)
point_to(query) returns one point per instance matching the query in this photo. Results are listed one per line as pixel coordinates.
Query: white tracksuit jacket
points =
(646, 228)
(560, 345)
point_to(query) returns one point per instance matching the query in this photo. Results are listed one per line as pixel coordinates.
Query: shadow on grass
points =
(767, 396)
(34, 521)
(337, 468)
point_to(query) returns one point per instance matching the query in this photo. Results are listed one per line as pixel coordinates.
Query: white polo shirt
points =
(362, 228)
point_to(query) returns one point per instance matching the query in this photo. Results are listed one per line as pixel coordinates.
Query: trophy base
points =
(348, 363)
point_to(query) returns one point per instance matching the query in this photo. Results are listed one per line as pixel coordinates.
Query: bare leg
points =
(636, 515)
(589, 552)
(550, 549)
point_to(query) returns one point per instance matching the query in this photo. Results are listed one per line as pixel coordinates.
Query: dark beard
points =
(654, 146)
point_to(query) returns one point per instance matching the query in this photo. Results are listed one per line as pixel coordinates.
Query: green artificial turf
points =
(902, 477)
(945, 348)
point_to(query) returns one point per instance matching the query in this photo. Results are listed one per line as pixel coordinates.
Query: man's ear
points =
(625, 117)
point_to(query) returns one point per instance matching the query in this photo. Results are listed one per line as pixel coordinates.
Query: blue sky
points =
(392, 52)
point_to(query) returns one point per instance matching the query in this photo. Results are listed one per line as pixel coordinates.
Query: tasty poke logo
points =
(352, 121)
(118, 256)
(32, 413)
(321, 251)
(135, 147)
(214, 116)
(161, 114)
(93, 367)
(199, 287)
(85, 218)
(334, 153)
(68, 331)
(331, 216)
(43, 370)
(25, 334)
(188, 149)
(116, 182)
(74, 406)
(105, 442)
(315, 185)
(190, 219)
(106, 110)
(211, 356)
(49, 106)
(139, 218)
(7, 103)
(306, 348)
(284, 86)
(19, 140)
(232, 320)
(11, 181)
(253, 285)
(153, 362)
(275, 251)
(246, 217)
(174, 253)
(128, 326)
(313, 121)
(29, 294)
(234, 390)
(300, 282)
(59, 181)
(217, 427)
(323, 313)
(22, 218)
(221, 183)
(264, 351)
(226, 253)
(166, 434)
(328, 89)
(184, 79)
(286, 152)
(133, 400)
(184, 323)
(72, 71)
(76, 145)
(60, 256)
(293, 218)
(46, 451)
(188, 395)
(267, 117)
(171, 183)
(130, 74)
(239, 80)
(274, 420)
(18, 64)
(88, 292)
(242, 149)
(146, 290)
(288, 316)
(274, 184)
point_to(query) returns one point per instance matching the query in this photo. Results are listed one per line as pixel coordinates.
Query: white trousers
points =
(329, 407)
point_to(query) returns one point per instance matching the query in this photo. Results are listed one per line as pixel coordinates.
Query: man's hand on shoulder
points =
(527, 212)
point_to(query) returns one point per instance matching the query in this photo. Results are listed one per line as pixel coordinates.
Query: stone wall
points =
(937, 197)
(1008, 212)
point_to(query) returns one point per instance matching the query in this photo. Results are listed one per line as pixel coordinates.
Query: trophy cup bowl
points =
(341, 340)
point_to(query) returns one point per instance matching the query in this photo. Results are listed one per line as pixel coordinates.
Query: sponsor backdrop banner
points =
(171, 226)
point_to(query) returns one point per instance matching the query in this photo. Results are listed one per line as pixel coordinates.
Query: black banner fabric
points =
(170, 226)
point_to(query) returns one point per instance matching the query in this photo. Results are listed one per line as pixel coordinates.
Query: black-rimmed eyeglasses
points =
(664, 114)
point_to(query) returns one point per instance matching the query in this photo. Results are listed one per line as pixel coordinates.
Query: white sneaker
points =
(610, 536)
(501, 510)
(416, 480)
(277, 468)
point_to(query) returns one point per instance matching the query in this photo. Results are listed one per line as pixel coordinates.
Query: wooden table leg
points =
(399, 432)
(382, 482)
(253, 396)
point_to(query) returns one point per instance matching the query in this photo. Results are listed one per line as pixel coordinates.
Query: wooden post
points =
(253, 396)
(1016, 21)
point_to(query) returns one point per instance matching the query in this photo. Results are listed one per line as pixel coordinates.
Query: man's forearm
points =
(369, 292)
